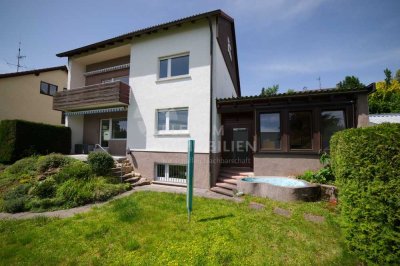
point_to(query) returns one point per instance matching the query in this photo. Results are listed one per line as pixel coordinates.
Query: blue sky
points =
(285, 42)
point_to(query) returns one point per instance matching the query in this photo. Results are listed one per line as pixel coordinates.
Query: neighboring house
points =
(28, 95)
(147, 92)
(375, 119)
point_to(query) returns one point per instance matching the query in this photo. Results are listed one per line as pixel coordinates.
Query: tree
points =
(388, 77)
(270, 91)
(386, 98)
(350, 82)
(290, 91)
(397, 76)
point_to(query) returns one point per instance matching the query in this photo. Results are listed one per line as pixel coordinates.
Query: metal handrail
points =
(120, 175)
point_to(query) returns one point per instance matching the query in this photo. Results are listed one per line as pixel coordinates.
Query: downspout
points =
(211, 99)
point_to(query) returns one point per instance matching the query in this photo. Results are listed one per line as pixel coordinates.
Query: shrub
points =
(44, 204)
(78, 192)
(366, 163)
(14, 205)
(75, 192)
(18, 192)
(25, 166)
(44, 189)
(101, 163)
(20, 138)
(53, 160)
(323, 176)
(74, 170)
(104, 190)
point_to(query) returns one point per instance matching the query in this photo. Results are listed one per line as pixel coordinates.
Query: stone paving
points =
(205, 193)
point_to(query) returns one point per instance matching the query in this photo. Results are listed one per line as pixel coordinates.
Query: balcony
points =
(92, 97)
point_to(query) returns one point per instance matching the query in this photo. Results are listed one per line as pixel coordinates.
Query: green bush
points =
(322, 176)
(53, 160)
(18, 192)
(20, 139)
(104, 190)
(74, 170)
(25, 166)
(100, 162)
(43, 204)
(75, 192)
(14, 205)
(44, 189)
(366, 163)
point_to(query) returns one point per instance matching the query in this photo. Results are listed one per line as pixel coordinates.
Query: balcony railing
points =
(94, 96)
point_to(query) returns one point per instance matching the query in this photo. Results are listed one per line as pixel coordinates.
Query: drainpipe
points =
(211, 97)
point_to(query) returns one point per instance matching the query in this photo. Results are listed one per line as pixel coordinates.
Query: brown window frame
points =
(48, 88)
(316, 139)
(281, 143)
(346, 122)
(289, 132)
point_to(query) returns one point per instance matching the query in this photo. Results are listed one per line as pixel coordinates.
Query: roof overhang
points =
(34, 72)
(154, 29)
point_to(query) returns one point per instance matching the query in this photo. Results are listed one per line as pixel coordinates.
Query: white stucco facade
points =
(150, 94)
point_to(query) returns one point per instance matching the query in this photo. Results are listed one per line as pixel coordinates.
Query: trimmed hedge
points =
(19, 138)
(366, 164)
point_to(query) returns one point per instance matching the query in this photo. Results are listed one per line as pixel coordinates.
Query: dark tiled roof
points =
(368, 89)
(35, 71)
(130, 35)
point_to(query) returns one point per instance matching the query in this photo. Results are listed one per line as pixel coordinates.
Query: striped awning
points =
(97, 111)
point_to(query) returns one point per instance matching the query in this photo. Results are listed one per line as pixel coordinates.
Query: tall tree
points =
(386, 98)
(350, 82)
(397, 76)
(388, 77)
(270, 91)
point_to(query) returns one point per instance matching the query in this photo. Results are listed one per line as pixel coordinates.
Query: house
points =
(28, 95)
(145, 93)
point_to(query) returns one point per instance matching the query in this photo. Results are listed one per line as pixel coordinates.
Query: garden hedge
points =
(366, 164)
(19, 138)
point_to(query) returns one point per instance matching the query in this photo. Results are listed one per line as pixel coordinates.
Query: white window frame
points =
(110, 127)
(168, 58)
(166, 177)
(167, 131)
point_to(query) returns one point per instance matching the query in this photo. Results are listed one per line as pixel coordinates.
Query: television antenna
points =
(319, 80)
(19, 59)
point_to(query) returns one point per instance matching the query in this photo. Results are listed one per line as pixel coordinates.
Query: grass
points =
(149, 228)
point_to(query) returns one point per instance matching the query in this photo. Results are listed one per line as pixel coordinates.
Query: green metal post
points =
(189, 179)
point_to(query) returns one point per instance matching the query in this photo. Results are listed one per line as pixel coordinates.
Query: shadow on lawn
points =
(219, 217)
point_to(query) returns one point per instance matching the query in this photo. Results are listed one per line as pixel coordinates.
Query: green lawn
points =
(150, 228)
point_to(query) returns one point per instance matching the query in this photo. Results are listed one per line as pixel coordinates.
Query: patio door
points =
(105, 132)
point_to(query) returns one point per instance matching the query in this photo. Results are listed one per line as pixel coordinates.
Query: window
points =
(47, 88)
(300, 128)
(124, 79)
(172, 120)
(331, 122)
(270, 131)
(174, 66)
(171, 173)
(119, 127)
(110, 129)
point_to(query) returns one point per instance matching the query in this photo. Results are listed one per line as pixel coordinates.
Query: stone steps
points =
(228, 178)
(223, 191)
